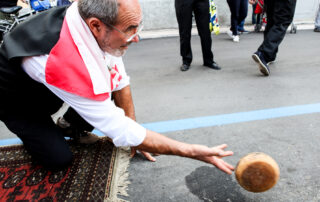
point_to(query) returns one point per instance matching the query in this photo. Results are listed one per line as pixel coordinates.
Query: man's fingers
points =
(219, 151)
(224, 166)
(222, 146)
(133, 152)
(148, 156)
(225, 153)
(145, 154)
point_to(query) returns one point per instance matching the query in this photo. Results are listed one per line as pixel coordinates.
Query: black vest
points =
(36, 36)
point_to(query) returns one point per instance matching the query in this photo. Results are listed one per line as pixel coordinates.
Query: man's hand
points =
(213, 156)
(145, 154)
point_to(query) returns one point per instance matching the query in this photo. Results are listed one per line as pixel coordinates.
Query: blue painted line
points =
(11, 141)
(216, 120)
(99, 133)
(209, 121)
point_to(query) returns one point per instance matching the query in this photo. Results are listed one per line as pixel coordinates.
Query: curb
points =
(162, 33)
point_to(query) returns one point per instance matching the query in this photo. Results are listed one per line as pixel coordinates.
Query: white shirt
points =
(103, 115)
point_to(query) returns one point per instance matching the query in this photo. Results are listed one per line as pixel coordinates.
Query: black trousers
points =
(27, 113)
(239, 11)
(43, 139)
(200, 8)
(279, 16)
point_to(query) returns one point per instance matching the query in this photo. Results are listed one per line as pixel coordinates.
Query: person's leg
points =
(279, 17)
(317, 21)
(73, 124)
(201, 11)
(243, 12)
(254, 16)
(241, 26)
(234, 6)
(184, 18)
(41, 138)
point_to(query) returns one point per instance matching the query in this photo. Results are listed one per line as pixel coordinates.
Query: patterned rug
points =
(91, 177)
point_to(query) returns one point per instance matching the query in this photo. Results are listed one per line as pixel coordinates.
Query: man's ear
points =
(96, 26)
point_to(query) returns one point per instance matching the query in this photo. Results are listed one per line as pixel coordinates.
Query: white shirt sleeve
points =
(103, 115)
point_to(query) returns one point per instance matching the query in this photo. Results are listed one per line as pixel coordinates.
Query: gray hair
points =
(104, 10)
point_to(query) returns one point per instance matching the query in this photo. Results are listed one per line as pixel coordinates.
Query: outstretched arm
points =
(157, 143)
(123, 99)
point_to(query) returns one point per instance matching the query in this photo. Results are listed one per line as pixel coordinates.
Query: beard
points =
(116, 52)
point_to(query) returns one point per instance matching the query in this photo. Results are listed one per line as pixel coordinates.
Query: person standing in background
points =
(239, 11)
(200, 8)
(280, 15)
(317, 21)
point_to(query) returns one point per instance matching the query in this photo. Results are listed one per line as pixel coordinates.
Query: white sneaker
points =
(236, 38)
(229, 32)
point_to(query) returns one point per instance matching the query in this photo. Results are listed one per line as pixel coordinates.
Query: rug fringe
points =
(120, 175)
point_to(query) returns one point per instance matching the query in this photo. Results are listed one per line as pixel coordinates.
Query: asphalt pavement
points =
(277, 115)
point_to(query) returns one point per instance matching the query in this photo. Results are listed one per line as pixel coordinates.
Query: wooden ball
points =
(257, 172)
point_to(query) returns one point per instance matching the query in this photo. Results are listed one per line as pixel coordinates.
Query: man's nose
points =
(136, 39)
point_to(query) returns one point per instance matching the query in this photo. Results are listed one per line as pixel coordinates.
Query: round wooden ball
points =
(257, 172)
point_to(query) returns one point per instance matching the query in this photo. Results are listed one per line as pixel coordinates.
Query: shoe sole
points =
(263, 69)
(271, 62)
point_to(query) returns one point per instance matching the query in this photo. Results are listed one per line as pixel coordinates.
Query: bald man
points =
(78, 61)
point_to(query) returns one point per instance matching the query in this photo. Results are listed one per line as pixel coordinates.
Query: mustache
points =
(126, 44)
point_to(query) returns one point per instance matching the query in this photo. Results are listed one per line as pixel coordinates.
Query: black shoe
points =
(83, 137)
(213, 65)
(184, 67)
(263, 66)
(317, 29)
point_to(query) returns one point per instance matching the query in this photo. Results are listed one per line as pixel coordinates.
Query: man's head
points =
(112, 22)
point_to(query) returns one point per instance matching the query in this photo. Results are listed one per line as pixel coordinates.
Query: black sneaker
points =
(263, 66)
(185, 67)
(316, 29)
(83, 137)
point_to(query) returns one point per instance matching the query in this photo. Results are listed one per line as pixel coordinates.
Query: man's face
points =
(115, 39)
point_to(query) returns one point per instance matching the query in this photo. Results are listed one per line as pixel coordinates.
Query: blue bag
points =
(40, 5)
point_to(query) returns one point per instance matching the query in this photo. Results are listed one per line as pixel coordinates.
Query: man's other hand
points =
(145, 154)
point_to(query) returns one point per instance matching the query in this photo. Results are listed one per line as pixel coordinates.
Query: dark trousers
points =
(40, 135)
(239, 11)
(200, 8)
(279, 16)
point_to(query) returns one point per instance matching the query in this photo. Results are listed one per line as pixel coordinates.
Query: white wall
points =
(160, 14)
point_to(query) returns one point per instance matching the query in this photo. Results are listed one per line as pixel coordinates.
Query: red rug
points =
(89, 177)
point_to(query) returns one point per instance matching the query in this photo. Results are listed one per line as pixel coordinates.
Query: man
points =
(279, 17)
(200, 8)
(75, 57)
